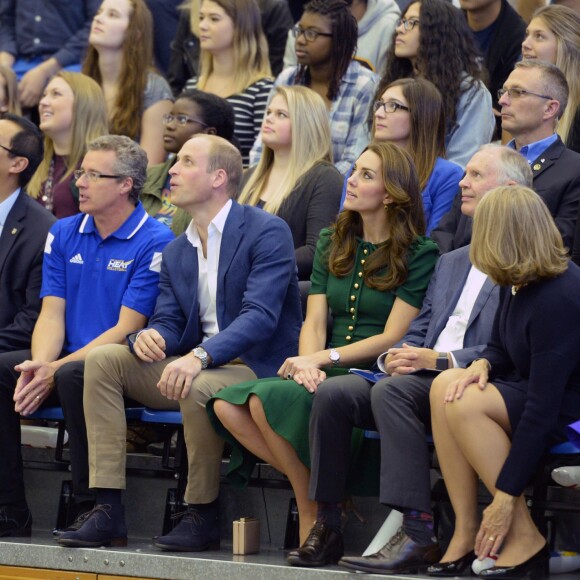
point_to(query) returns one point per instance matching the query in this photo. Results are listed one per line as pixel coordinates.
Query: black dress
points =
(536, 368)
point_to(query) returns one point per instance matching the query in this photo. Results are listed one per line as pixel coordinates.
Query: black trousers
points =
(396, 407)
(68, 394)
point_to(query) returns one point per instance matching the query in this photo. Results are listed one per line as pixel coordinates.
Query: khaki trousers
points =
(112, 372)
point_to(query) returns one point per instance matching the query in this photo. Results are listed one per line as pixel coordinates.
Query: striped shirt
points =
(249, 108)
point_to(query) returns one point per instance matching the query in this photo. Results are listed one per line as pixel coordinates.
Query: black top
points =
(534, 348)
(312, 205)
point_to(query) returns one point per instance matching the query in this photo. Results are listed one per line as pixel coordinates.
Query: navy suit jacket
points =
(442, 296)
(556, 180)
(21, 252)
(258, 301)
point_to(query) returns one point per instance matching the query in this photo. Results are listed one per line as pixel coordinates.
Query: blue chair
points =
(174, 504)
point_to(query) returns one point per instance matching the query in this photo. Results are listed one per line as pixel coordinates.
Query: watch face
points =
(334, 356)
(442, 363)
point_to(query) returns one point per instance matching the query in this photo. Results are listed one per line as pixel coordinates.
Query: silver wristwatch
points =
(201, 354)
(334, 357)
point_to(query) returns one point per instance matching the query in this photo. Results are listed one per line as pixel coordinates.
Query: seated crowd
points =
(141, 257)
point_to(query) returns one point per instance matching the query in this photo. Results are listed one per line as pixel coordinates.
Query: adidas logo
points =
(78, 259)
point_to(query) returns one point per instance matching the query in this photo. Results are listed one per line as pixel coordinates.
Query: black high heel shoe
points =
(454, 568)
(538, 566)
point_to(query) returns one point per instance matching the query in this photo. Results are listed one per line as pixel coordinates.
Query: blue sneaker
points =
(103, 526)
(199, 530)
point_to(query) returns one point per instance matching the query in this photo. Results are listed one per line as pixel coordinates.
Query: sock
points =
(108, 496)
(203, 507)
(330, 514)
(419, 527)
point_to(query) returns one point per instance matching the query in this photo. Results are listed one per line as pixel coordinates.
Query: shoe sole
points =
(174, 548)
(295, 560)
(417, 569)
(71, 543)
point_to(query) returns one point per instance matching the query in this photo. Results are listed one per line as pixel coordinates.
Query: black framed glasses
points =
(12, 152)
(94, 175)
(182, 120)
(389, 106)
(407, 23)
(309, 33)
(517, 93)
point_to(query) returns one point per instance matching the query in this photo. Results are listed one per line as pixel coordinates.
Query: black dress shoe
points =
(400, 554)
(538, 566)
(323, 546)
(454, 568)
(103, 526)
(15, 522)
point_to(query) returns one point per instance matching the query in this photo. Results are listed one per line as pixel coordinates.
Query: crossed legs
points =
(472, 438)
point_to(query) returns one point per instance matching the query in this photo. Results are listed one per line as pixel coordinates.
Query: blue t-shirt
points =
(96, 277)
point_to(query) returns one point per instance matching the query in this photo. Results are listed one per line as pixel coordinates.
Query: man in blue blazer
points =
(453, 327)
(24, 225)
(228, 311)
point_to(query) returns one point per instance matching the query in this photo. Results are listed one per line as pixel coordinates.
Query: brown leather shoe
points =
(399, 554)
(323, 546)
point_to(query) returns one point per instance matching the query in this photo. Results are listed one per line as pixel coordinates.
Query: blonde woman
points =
(494, 420)
(234, 63)
(72, 113)
(295, 178)
(553, 36)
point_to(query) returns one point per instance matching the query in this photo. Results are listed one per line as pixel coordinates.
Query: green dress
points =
(358, 312)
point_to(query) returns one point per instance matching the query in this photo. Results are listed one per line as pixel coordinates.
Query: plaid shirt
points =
(347, 114)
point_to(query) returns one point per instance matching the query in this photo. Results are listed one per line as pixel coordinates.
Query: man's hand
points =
(34, 81)
(406, 359)
(6, 59)
(33, 386)
(175, 382)
(150, 346)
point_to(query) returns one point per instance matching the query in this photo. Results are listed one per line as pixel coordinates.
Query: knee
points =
(387, 390)
(224, 411)
(331, 393)
(440, 384)
(467, 408)
(102, 358)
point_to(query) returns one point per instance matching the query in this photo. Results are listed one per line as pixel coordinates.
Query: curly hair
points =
(447, 53)
(137, 61)
(387, 267)
(344, 30)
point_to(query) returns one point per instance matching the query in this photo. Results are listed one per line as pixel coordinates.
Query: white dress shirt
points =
(208, 268)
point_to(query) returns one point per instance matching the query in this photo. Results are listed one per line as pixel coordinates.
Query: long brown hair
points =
(386, 268)
(137, 61)
(427, 134)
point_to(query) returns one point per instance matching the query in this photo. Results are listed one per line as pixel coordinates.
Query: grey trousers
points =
(396, 407)
(112, 372)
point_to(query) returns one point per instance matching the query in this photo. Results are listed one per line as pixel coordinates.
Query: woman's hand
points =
(305, 370)
(477, 372)
(495, 525)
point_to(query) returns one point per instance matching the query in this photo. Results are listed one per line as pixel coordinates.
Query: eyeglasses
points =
(182, 120)
(389, 106)
(94, 175)
(12, 152)
(517, 93)
(309, 33)
(408, 24)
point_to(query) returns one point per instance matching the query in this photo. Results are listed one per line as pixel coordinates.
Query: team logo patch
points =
(76, 259)
(119, 265)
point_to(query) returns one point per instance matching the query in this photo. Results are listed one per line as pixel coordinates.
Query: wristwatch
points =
(201, 354)
(334, 357)
(442, 363)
